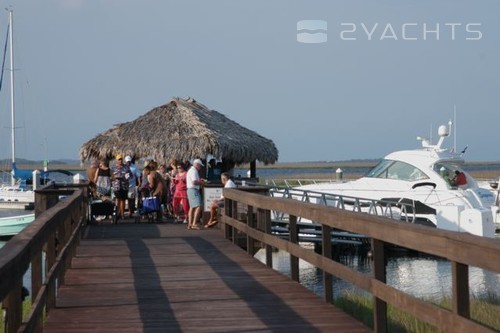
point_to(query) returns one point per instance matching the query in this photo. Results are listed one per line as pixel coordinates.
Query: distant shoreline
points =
(277, 165)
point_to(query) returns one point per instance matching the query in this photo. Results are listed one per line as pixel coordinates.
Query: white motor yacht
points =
(423, 179)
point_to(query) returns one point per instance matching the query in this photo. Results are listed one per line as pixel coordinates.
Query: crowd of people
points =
(175, 187)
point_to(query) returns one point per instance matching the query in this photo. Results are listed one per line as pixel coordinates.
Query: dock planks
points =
(165, 278)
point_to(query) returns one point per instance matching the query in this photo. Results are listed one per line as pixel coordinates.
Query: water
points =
(425, 277)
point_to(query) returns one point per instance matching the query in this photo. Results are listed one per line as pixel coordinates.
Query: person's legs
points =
(192, 205)
(213, 212)
(185, 206)
(131, 195)
(194, 208)
(159, 214)
(197, 215)
(121, 208)
(190, 217)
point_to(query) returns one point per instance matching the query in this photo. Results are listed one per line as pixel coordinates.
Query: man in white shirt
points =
(219, 203)
(193, 183)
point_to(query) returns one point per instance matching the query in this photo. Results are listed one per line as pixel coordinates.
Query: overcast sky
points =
(388, 71)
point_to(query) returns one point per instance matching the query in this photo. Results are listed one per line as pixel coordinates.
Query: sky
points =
(388, 71)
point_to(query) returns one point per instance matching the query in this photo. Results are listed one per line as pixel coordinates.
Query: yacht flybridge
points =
(425, 179)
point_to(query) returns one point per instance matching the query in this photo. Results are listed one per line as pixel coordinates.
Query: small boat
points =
(16, 194)
(423, 179)
(12, 225)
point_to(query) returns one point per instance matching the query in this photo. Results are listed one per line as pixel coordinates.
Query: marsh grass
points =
(483, 310)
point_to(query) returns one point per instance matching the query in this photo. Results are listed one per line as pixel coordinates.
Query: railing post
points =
(14, 308)
(36, 282)
(51, 258)
(233, 213)
(294, 238)
(326, 242)
(378, 268)
(460, 289)
(228, 211)
(251, 224)
(266, 219)
(36, 275)
(234, 231)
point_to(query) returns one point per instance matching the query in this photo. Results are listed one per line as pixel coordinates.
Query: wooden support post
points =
(234, 214)
(14, 308)
(379, 306)
(60, 242)
(228, 211)
(251, 224)
(326, 242)
(266, 218)
(294, 238)
(36, 283)
(51, 259)
(460, 289)
(36, 275)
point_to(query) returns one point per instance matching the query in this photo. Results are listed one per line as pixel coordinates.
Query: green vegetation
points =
(26, 311)
(484, 310)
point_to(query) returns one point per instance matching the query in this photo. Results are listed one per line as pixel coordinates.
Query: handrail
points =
(397, 210)
(53, 238)
(461, 249)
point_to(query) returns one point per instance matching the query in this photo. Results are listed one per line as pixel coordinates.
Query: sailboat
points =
(14, 194)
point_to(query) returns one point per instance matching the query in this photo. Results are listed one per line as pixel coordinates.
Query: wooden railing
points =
(46, 246)
(461, 249)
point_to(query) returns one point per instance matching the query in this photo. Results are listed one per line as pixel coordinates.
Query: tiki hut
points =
(184, 130)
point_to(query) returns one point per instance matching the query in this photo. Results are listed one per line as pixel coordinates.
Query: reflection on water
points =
(417, 275)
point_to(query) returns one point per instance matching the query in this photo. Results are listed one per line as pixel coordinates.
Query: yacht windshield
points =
(447, 171)
(397, 170)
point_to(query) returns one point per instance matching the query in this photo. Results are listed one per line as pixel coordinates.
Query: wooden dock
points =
(165, 278)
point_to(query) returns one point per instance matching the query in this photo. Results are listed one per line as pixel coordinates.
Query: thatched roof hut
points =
(181, 129)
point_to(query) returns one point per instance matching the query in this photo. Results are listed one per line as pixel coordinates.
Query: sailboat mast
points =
(13, 119)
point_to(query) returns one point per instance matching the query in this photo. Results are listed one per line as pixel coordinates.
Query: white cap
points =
(198, 161)
(128, 158)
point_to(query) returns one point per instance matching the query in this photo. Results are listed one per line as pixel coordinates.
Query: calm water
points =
(420, 276)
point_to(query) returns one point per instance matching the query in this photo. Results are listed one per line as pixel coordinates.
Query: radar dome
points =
(443, 130)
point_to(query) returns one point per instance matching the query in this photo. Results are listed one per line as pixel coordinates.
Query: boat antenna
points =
(430, 135)
(450, 131)
(455, 127)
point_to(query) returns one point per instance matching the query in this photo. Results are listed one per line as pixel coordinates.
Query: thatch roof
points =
(181, 129)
